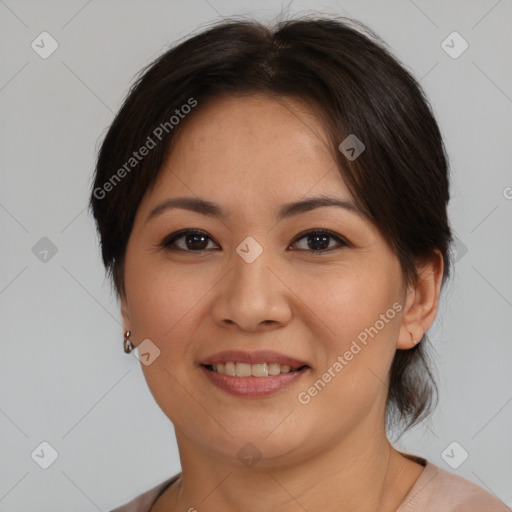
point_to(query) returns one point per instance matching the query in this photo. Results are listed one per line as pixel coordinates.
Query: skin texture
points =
(251, 155)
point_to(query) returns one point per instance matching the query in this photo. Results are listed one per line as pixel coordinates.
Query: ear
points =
(125, 313)
(421, 303)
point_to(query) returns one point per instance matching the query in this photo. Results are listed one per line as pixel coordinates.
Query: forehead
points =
(253, 148)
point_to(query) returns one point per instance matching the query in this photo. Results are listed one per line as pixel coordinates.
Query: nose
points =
(253, 296)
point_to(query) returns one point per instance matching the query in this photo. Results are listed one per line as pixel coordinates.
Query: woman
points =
(271, 205)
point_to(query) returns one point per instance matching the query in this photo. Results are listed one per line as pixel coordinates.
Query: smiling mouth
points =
(235, 369)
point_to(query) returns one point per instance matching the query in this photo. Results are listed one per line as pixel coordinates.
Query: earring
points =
(415, 342)
(127, 344)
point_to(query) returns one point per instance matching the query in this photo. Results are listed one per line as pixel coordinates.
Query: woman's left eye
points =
(318, 240)
(195, 241)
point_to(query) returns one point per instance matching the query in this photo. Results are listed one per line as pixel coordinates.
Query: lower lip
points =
(249, 387)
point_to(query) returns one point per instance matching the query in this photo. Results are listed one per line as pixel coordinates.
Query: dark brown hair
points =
(355, 86)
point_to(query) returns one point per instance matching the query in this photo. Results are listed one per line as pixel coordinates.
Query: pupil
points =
(323, 238)
(196, 238)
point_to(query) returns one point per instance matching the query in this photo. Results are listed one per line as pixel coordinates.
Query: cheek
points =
(360, 316)
(165, 304)
(353, 303)
(161, 298)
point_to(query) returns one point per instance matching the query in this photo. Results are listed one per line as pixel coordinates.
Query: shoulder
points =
(143, 502)
(438, 490)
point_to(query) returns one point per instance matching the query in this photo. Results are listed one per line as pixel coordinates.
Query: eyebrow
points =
(208, 208)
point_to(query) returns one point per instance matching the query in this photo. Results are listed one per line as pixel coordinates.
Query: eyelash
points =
(169, 240)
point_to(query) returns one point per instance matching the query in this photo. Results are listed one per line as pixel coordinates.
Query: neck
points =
(358, 473)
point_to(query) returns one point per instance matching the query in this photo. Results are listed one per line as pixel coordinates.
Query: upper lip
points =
(259, 356)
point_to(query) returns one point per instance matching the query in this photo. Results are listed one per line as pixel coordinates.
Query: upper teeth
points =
(251, 370)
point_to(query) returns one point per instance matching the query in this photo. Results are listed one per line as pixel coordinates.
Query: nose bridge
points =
(251, 271)
(252, 294)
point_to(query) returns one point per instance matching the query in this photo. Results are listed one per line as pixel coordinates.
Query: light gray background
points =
(64, 376)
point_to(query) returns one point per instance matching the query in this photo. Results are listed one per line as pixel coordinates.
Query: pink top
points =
(436, 490)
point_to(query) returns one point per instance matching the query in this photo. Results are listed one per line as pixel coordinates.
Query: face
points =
(251, 287)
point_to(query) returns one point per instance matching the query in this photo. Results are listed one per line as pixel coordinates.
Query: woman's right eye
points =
(191, 240)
